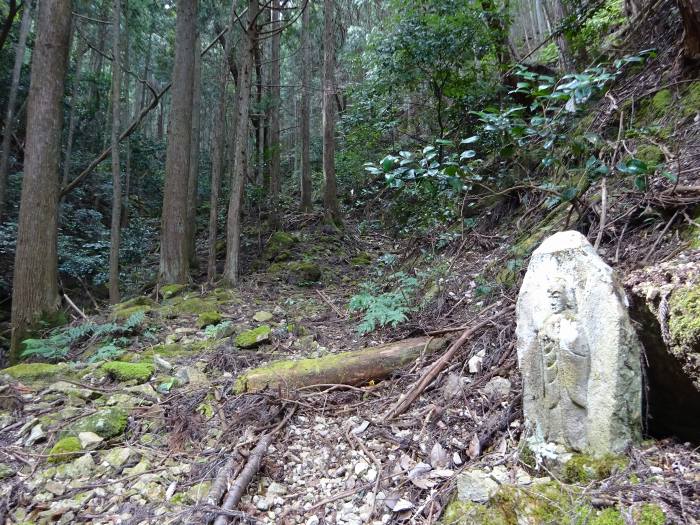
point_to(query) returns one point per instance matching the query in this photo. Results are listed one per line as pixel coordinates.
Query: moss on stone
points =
(226, 296)
(135, 304)
(684, 322)
(361, 259)
(304, 272)
(194, 306)
(171, 290)
(106, 423)
(584, 468)
(650, 154)
(121, 371)
(254, 337)
(65, 449)
(37, 371)
(468, 513)
(163, 350)
(208, 318)
(279, 242)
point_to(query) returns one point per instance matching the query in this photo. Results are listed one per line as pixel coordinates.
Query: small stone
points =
(276, 489)
(361, 468)
(453, 386)
(476, 486)
(89, 438)
(37, 434)
(498, 387)
(313, 520)
(263, 316)
(55, 488)
(371, 475)
(6, 471)
(262, 504)
(476, 362)
(252, 338)
(118, 456)
(140, 468)
(162, 364)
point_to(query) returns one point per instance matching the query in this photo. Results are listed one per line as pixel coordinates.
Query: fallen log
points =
(347, 368)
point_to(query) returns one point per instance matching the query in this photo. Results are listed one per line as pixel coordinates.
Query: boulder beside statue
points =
(577, 350)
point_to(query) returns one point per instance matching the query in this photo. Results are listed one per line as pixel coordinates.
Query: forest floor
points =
(149, 449)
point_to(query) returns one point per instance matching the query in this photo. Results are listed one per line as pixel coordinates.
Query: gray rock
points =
(37, 434)
(262, 316)
(497, 387)
(577, 350)
(453, 387)
(477, 486)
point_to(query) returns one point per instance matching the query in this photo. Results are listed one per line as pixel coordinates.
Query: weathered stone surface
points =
(577, 350)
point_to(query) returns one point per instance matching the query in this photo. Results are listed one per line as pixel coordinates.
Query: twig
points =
(433, 371)
(73, 306)
(329, 303)
(376, 462)
(658, 239)
(604, 183)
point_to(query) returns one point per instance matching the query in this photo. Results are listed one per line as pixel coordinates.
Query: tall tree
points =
(174, 260)
(304, 124)
(330, 197)
(690, 13)
(275, 15)
(35, 284)
(12, 101)
(13, 9)
(194, 158)
(116, 169)
(240, 146)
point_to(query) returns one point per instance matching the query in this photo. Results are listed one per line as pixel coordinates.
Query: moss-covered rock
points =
(252, 338)
(690, 100)
(37, 371)
(208, 318)
(122, 371)
(65, 449)
(684, 328)
(136, 304)
(171, 290)
(361, 259)
(304, 272)
(582, 468)
(280, 242)
(193, 306)
(106, 423)
(662, 101)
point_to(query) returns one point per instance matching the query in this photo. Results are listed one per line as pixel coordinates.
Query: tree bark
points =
(9, 19)
(330, 197)
(275, 103)
(305, 121)
(690, 13)
(116, 169)
(349, 368)
(174, 259)
(240, 147)
(35, 285)
(12, 101)
(126, 108)
(194, 159)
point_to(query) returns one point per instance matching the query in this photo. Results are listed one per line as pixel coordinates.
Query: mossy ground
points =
(208, 318)
(582, 468)
(106, 423)
(37, 371)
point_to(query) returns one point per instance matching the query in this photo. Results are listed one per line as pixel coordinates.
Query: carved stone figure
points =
(577, 350)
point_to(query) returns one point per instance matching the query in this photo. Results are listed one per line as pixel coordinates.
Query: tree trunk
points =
(127, 118)
(556, 14)
(194, 159)
(35, 285)
(240, 147)
(690, 13)
(173, 246)
(67, 160)
(12, 101)
(257, 120)
(116, 170)
(348, 368)
(9, 19)
(275, 115)
(330, 198)
(217, 164)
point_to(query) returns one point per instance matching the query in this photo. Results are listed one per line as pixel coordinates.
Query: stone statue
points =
(577, 350)
(566, 363)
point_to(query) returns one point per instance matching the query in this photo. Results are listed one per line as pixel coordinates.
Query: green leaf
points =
(470, 140)
(388, 163)
(469, 154)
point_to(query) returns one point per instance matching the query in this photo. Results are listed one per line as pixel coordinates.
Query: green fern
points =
(384, 309)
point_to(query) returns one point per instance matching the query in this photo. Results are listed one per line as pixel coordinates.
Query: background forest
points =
(182, 181)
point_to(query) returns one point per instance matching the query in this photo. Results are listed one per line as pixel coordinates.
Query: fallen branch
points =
(347, 368)
(250, 470)
(417, 389)
(74, 307)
